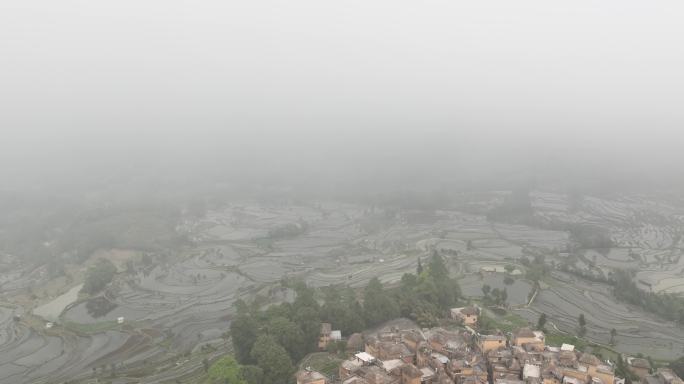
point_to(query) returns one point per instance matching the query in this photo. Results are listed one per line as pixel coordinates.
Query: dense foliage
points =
(227, 370)
(98, 276)
(541, 322)
(280, 335)
(273, 359)
(536, 269)
(429, 295)
(274, 338)
(668, 306)
(590, 237)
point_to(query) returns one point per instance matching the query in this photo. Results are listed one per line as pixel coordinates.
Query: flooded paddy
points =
(32, 357)
(80, 314)
(54, 308)
(638, 331)
(186, 298)
(518, 291)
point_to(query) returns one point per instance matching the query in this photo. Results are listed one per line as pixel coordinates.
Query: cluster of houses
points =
(440, 356)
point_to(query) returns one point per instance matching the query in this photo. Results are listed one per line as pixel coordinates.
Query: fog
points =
(229, 191)
(349, 92)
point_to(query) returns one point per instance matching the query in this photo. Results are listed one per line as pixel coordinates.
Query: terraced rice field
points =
(638, 332)
(185, 301)
(518, 291)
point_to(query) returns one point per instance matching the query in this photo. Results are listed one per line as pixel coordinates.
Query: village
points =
(166, 314)
(464, 356)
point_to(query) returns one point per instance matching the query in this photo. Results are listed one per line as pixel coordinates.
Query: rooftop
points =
(307, 376)
(365, 357)
(493, 337)
(524, 332)
(588, 358)
(638, 362)
(468, 311)
(351, 364)
(530, 370)
(410, 370)
(354, 380)
(441, 358)
(571, 380)
(390, 365)
(427, 372)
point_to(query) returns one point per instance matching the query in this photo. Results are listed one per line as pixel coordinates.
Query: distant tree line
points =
(667, 306)
(536, 269)
(590, 236)
(56, 231)
(289, 230)
(516, 207)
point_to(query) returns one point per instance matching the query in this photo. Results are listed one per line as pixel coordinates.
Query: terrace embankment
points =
(184, 297)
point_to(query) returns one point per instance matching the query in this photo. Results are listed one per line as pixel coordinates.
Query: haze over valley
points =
(179, 180)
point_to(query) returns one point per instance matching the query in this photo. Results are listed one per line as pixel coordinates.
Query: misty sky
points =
(105, 86)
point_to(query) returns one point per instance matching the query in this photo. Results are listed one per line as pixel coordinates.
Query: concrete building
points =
(488, 343)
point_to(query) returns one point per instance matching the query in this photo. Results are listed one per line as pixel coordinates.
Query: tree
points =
(582, 324)
(98, 276)
(243, 330)
(289, 335)
(509, 268)
(357, 322)
(309, 321)
(252, 374)
(668, 306)
(225, 370)
(342, 310)
(438, 269)
(486, 289)
(205, 364)
(337, 347)
(448, 293)
(613, 333)
(408, 282)
(273, 360)
(542, 321)
(419, 269)
(378, 305)
(426, 290)
(305, 297)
